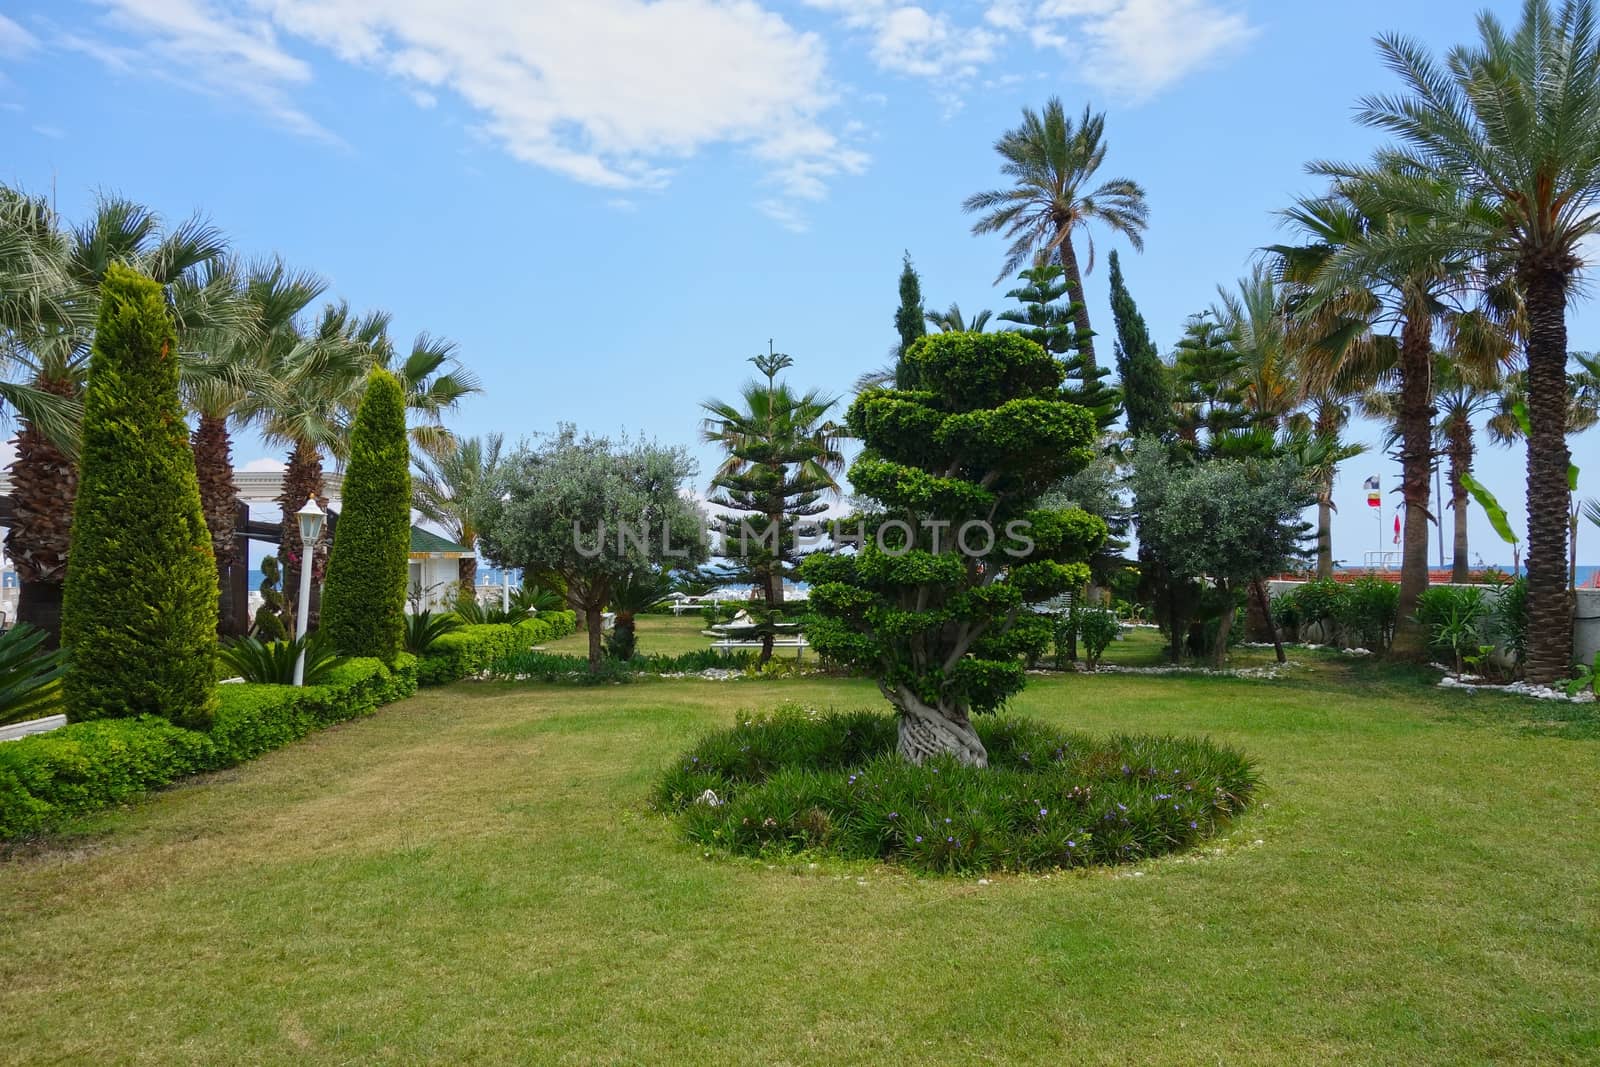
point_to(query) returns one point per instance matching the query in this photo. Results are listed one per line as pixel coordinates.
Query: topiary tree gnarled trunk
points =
(931, 602)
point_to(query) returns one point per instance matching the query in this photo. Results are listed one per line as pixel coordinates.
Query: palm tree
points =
(445, 487)
(52, 348)
(1464, 392)
(1515, 120)
(783, 457)
(1325, 416)
(951, 320)
(1373, 319)
(1265, 340)
(1051, 161)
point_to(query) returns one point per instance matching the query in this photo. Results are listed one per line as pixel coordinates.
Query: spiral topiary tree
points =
(139, 611)
(364, 600)
(932, 601)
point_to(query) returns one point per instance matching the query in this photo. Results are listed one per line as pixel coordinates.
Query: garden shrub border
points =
(46, 779)
(472, 649)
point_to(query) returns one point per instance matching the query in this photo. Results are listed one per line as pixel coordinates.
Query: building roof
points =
(428, 545)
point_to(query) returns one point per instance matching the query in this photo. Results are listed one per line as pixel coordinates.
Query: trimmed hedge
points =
(472, 650)
(83, 767)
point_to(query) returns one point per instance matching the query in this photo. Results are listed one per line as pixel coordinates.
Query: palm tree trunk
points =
(1416, 460)
(213, 464)
(1460, 464)
(302, 479)
(1325, 528)
(1549, 599)
(44, 487)
(467, 575)
(1074, 280)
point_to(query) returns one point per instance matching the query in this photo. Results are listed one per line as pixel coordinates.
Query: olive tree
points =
(932, 599)
(592, 511)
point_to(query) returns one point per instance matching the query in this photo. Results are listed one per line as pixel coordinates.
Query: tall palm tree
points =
(1261, 333)
(1465, 392)
(1374, 321)
(1515, 120)
(1051, 162)
(1322, 420)
(952, 321)
(445, 487)
(53, 350)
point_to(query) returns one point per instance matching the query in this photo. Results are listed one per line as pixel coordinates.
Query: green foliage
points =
(525, 601)
(1511, 618)
(636, 592)
(269, 616)
(1145, 379)
(30, 675)
(139, 612)
(1585, 676)
(273, 662)
(1369, 612)
(909, 316)
(1456, 618)
(1048, 319)
(1491, 507)
(554, 667)
(471, 649)
(364, 598)
(46, 779)
(1097, 628)
(799, 781)
(424, 628)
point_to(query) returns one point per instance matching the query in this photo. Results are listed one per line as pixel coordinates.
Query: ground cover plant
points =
(797, 781)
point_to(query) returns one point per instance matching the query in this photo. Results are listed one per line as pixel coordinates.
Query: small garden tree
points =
(364, 601)
(782, 455)
(139, 613)
(591, 512)
(1232, 521)
(930, 600)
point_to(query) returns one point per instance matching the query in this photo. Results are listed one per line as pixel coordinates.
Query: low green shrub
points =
(30, 675)
(1097, 628)
(273, 662)
(471, 649)
(1369, 613)
(554, 667)
(423, 628)
(1457, 620)
(1511, 619)
(48, 778)
(798, 781)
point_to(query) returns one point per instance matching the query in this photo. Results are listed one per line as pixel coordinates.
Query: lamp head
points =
(310, 518)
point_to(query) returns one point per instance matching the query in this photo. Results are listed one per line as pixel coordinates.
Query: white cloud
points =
(1136, 48)
(264, 463)
(1130, 48)
(14, 40)
(612, 93)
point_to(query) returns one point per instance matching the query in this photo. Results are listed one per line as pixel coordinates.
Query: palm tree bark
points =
(1074, 280)
(302, 480)
(1325, 528)
(44, 487)
(213, 464)
(1460, 445)
(1416, 459)
(1549, 598)
(467, 575)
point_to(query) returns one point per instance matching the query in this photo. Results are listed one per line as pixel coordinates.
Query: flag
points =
(1373, 499)
(1397, 528)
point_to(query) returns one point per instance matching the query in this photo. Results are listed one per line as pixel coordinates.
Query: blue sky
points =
(610, 204)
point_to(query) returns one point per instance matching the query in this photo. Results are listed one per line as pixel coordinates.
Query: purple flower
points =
(1072, 844)
(947, 822)
(949, 840)
(919, 839)
(894, 815)
(1193, 825)
(1044, 811)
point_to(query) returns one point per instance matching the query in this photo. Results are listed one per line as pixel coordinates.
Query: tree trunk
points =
(927, 731)
(1416, 461)
(1176, 627)
(1325, 529)
(213, 465)
(44, 487)
(1219, 653)
(1549, 499)
(1080, 318)
(594, 624)
(1260, 589)
(302, 479)
(467, 575)
(1460, 464)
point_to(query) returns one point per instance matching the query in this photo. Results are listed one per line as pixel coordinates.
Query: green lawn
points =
(470, 876)
(669, 635)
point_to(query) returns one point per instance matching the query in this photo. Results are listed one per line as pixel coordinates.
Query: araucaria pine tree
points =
(930, 603)
(1146, 381)
(1050, 321)
(782, 455)
(363, 605)
(139, 611)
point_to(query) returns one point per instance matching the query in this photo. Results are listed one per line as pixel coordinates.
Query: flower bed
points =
(799, 782)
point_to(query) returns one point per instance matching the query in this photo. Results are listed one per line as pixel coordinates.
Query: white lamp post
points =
(310, 518)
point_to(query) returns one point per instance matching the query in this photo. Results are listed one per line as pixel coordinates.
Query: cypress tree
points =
(1146, 385)
(364, 599)
(910, 319)
(139, 610)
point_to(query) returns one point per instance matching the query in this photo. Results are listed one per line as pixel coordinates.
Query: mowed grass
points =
(668, 635)
(470, 876)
